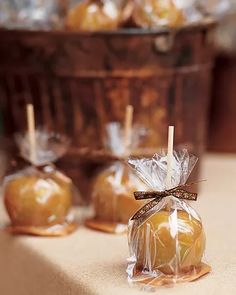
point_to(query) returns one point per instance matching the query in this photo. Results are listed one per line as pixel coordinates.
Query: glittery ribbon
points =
(177, 192)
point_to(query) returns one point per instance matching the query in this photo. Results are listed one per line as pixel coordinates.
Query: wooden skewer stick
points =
(170, 156)
(128, 126)
(31, 132)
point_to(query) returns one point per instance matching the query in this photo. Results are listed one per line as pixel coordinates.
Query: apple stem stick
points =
(170, 157)
(31, 132)
(128, 126)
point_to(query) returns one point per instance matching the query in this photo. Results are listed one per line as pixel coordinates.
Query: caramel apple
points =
(113, 199)
(93, 15)
(38, 200)
(168, 245)
(153, 14)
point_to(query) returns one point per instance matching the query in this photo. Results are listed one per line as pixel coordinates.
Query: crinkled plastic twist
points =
(167, 244)
(115, 140)
(153, 170)
(50, 146)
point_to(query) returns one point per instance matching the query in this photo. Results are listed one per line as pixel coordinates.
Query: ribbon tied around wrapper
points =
(177, 192)
(153, 172)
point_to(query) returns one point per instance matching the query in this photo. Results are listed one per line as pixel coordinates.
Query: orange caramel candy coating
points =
(35, 200)
(156, 246)
(113, 198)
(90, 16)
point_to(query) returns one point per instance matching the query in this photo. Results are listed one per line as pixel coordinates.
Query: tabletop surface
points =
(89, 262)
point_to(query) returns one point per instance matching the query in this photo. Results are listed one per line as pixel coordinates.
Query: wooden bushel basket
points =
(80, 81)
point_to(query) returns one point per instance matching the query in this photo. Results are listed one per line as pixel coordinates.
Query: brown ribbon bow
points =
(177, 192)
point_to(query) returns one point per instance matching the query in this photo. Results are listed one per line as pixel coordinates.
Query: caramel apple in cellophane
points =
(112, 195)
(166, 236)
(38, 198)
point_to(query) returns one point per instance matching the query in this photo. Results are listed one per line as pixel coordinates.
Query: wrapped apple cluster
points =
(113, 188)
(38, 198)
(166, 236)
(93, 15)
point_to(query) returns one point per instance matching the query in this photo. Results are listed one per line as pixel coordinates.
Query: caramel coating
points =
(34, 200)
(153, 14)
(155, 245)
(91, 16)
(95, 15)
(113, 198)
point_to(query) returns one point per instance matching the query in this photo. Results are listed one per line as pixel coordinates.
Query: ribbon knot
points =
(177, 192)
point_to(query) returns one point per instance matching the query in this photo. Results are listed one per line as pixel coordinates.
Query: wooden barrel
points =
(223, 106)
(80, 81)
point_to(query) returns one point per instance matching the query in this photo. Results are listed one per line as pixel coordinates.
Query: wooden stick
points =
(31, 132)
(170, 156)
(128, 126)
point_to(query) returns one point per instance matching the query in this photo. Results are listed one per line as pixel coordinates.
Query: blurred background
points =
(82, 62)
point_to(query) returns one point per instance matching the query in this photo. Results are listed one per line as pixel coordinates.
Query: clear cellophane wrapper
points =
(167, 242)
(38, 197)
(7, 13)
(31, 14)
(225, 35)
(112, 193)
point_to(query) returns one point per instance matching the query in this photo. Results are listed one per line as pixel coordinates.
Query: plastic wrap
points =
(225, 12)
(217, 8)
(38, 197)
(92, 15)
(8, 13)
(112, 195)
(166, 240)
(31, 14)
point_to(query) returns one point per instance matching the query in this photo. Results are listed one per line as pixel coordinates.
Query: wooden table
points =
(89, 262)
